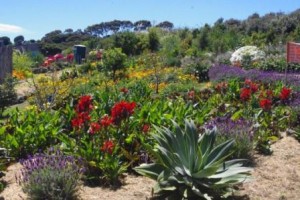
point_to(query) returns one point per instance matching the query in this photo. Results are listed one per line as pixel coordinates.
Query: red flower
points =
(107, 147)
(124, 90)
(105, 121)
(253, 87)
(84, 104)
(122, 110)
(265, 104)
(245, 94)
(80, 120)
(77, 123)
(145, 128)
(94, 128)
(285, 93)
(191, 94)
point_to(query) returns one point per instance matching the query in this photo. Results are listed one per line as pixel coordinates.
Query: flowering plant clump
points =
(252, 51)
(241, 130)
(83, 109)
(108, 147)
(285, 93)
(121, 111)
(50, 176)
(265, 104)
(245, 94)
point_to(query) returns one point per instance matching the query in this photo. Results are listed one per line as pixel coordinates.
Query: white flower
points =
(252, 51)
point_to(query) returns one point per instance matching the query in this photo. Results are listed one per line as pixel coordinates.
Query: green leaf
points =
(150, 170)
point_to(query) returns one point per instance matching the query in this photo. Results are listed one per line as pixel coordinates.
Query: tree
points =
(127, 41)
(6, 40)
(166, 25)
(153, 40)
(142, 25)
(19, 40)
(113, 60)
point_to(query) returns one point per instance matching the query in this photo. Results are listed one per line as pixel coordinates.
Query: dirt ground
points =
(275, 177)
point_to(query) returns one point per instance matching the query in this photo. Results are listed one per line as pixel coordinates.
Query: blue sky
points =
(34, 18)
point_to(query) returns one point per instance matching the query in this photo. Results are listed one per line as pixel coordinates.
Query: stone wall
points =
(5, 62)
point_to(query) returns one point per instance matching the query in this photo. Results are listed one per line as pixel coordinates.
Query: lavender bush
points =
(51, 176)
(241, 130)
(219, 73)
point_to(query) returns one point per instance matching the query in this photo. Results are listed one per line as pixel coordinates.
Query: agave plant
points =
(188, 165)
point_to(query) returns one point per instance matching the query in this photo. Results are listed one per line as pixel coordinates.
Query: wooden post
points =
(287, 61)
(5, 62)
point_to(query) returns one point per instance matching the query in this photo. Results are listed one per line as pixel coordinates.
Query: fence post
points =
(6, 67)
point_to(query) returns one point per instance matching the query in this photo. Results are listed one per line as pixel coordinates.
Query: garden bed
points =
(274, 177)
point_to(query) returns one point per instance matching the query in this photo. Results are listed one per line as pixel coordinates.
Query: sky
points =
(34, 18)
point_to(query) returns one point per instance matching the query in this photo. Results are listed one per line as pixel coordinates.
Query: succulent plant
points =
(188, 165)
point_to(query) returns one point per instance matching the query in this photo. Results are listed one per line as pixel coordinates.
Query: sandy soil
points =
(275, 177)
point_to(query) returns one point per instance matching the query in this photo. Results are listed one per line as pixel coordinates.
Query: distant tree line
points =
(133, 38)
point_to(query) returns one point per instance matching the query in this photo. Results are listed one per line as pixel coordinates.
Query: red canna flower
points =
(245, 94)
(253, 87)
(265, 104)
(124, 90)
(145, 128)
(107, 147)
(84, 104)
(122, 110)
(106, 121)
(285, 93)
(80, 120)
(77, 123)
(94, 128)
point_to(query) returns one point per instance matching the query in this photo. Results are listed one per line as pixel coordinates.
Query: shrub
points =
(50, 176)
(7, 94)
(246, 55)
(188, 165)
(113, 60)
(240, 130)
(28, 131)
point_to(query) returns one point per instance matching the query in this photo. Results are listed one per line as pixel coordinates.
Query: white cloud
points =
(7, 28)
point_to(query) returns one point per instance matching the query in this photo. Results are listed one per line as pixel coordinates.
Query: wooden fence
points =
(5, 62)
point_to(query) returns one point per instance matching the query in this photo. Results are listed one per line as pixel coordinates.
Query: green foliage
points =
(27, 132)
(188, 165)
(113, 60)
(153, 40)
(22, 61)
(7, 94)
(127, 41)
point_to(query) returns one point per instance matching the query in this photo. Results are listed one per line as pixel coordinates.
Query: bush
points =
(113, 60)
(28, 131)
(240, 130)
(51, 176)
(7, 94)
(189, 166)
